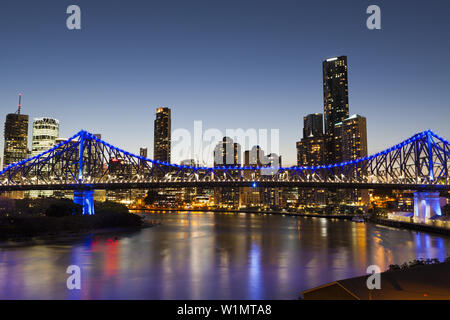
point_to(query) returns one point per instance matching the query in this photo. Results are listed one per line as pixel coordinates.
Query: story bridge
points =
(84, 163)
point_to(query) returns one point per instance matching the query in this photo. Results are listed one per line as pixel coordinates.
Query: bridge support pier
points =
(86, 199)
(426, 205)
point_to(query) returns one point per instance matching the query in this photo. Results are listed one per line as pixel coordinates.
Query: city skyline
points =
(253, 87)
(243, 150)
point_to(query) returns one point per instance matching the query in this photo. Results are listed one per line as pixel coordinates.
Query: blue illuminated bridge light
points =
(394, 148)
(81, 138)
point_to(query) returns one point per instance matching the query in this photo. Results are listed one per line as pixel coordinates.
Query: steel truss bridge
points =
(85, 162)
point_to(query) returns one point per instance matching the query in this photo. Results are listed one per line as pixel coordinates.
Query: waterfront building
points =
(227, 153)
(189, 194)
(254, 157)
(313, 125)
(289, 197)
(251, 196)
(351, 134)
(16, 142)
(45, 133)
(16, 137)
(162, 135)
(143, 152)
(311, 151)
(271, 197)
(335, 100)
(189, 163)
(311, 148)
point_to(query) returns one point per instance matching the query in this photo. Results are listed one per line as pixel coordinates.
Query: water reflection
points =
(207, 255)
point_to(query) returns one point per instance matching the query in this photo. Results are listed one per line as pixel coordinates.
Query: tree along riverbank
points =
(55, 217)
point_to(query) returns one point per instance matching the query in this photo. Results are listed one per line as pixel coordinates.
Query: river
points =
(209, 256)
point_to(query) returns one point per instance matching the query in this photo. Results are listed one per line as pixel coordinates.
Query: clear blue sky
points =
(231, 64)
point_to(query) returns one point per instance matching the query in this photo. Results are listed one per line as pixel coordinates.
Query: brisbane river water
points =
(209, 256)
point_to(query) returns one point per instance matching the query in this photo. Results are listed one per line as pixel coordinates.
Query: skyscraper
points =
(16, 137)
(272, 195)
(352, 133)
(335, 91)
(351, 143)
(335, 100)
(162, 151)
(311, 148)
(143, 152)
(313, 125)
(249, 196)
(254, 157)
(45, 133)
(311, 152)
(162, 136)
(227, 153)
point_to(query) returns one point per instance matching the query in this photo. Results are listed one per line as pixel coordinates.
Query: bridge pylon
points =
(85, 198)
(426, 205)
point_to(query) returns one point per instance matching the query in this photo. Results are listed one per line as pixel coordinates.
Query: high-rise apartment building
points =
(335, 100)
(162, 135)
(311, 148)
(254, 157)
(311, 152)
(227, 153)
(249, 196)
(271, 196)
(351, 143)
(313, 125)
(335, 91)
(352, 136)
(16, 137)
(143, 152)
(45, 133)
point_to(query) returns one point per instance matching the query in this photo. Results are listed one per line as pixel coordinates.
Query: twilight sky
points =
(232, 64)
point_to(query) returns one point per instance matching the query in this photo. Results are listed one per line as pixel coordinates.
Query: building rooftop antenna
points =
(20, 103)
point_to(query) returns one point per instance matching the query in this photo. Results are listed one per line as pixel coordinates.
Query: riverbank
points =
(419, 280)
(287, 213)
(411, 226)
(60, 219)
(46, 230)
(69, 237)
